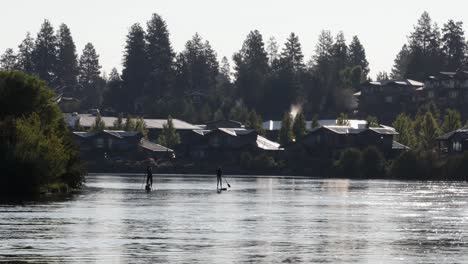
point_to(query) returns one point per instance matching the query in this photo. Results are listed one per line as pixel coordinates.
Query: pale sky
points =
(382, 26)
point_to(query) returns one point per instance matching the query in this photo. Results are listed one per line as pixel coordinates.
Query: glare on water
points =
(265, 220)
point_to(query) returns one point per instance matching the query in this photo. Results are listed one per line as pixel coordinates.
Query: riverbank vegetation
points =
(37, 154)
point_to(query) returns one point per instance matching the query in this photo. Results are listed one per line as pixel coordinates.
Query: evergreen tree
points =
(199, 67)
(8, 60)
(425, 52)
(299, 126)
(251, 70)
(286, 134)
(135, 67)
(292, 53)
(323, 71)
(118, 123)
(372, 163)
(272, 50)
(254, 121)
(453, 45)
(342, 120)
(169, 136)
(66, 67)
(89, 79)
(45, 53)
(382, 76)
(239, 112)
(357, 56)
(315, 122)
(140, 126)
(406, 134)
(129, 124)
(428, 132)
(25, 54)
(113, 95)
(98, 125)
(160, 57)
(340, 53)
(452, 121)
(400, 65)
(372, 121)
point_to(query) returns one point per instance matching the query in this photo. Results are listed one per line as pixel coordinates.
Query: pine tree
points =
(135, 67)
(299, 126)
(272, 50)
(406, 134)
(425, 49)
(453, 45)
(400, 65)
(8, 60)
(251, 70)
(286, 134)
(255, 122)
(129, 124)
(140, 126)
(169, 136)
(98, 125)
(342, 120)
(357, 56)
(292, 53)
(45, 53)
(340, 53)
(372, 121)
(66, 67)
(89, 78)
(25, 54)
(118, 123)
(429, 130)
(113, 95)
(160, 57)
(452, 121)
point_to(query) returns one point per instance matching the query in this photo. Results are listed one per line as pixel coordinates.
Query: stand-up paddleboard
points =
(220, 190)
(148, 188)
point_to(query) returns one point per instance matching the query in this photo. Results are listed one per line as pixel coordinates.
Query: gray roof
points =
(405, 82)
(148, 145)
(463, 130)
(87, 120)
(396, 145)
(353, 123)
(115, 133)
(267, 144)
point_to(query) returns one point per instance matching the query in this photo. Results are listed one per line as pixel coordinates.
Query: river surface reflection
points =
(264, 220)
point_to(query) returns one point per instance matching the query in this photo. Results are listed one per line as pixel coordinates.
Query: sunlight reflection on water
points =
(266, 220)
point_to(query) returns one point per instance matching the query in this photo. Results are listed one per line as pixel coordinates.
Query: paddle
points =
(229, 185)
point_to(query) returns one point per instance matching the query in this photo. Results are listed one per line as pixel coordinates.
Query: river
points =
(259, 220)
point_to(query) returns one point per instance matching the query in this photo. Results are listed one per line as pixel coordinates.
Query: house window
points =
(430, 94)
(99, 142)
(388, 99)
(457, 146)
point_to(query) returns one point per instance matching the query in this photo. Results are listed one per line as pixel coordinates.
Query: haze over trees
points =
(264, 76)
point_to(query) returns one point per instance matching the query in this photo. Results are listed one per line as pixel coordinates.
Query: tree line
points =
(264, 81)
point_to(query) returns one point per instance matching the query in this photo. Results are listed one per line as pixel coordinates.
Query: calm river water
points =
(263, 220)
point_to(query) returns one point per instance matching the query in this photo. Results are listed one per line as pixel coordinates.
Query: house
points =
(223, 124)
(154, 126)
(386, 99)
(454, 142)
(330, 140)
(223, 143)
(272, 128)
(448, 90)
(112, 144)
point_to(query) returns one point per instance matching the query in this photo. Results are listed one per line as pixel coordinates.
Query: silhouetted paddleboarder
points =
(149, 178)
(219, 182)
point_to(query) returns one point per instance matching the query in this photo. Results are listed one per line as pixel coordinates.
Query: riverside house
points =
(386, 99)
(454, 142)
(111, 144)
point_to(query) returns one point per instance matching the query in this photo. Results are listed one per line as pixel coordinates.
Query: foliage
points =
(169, 136)
(286, 134)
(428, 132)
(99, 124)
(372, 163)
(140, 126)
(349, 164)
(372, 121)
(406, 134)
(130, 124)
(41, 152)
(315, 122)
(452, 121)
(299, 126)
(118, 123)
(254, 121)
(90, 82)
(342, 120)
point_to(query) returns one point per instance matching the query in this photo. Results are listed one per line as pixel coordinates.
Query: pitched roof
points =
(115, 133)
(396, 145)
(272, 125)
(87, 120)
(267, 144)
(148, 145)
(463, 130)
(405, 82)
